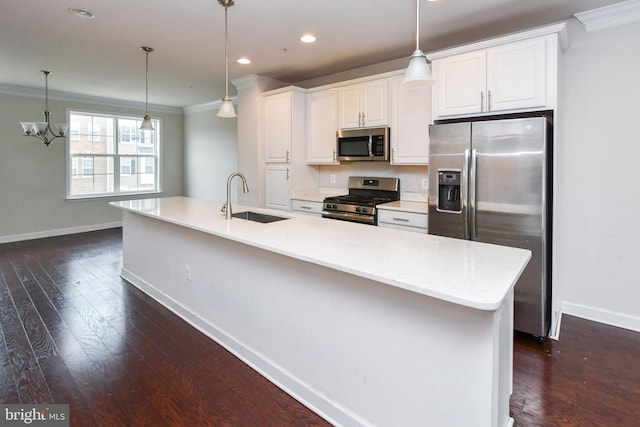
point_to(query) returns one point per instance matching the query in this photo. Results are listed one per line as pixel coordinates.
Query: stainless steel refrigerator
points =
(491, 181)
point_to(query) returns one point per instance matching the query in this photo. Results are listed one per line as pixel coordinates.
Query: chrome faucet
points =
(227, 206)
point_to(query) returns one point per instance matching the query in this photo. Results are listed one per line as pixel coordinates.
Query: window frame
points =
(115, 158)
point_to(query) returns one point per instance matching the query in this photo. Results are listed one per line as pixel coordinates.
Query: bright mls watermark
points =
(34, 415)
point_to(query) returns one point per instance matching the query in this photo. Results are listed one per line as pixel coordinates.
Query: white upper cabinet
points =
(517, 76)
(410, 114)
(363, 104)
(503, 78)
(518, 72)
(460, 83)
(281, 124)
(322, 123)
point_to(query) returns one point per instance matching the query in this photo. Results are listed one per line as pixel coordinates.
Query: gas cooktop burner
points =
(364, 195)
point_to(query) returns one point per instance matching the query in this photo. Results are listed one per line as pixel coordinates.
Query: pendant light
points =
(146, 122)
(45, 130)
(418, 73)
(226, 107)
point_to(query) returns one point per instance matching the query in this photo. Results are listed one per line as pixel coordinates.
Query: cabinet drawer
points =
(407, 219)
(306, 206)
(403, 227)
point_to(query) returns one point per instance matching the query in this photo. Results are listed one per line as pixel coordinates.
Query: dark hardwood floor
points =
(72, 331)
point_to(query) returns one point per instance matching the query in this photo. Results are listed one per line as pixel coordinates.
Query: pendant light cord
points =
(417, 24)
(46, 90)
(226, 57)
(146, 84)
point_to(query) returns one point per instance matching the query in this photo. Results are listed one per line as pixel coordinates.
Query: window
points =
(109, 155)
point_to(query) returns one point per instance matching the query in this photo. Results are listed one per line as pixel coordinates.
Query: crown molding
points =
(245, 82)
(559, 28)
(256, 81)
(207, 106)
(626, 12)
(74, 97)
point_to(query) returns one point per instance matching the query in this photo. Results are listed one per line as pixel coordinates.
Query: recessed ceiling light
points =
(307, 38)
(81, 13)
(244, 61)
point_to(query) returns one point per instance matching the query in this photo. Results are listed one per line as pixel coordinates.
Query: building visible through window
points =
(109, 155)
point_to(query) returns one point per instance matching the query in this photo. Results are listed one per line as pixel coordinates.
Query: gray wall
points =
(597, 234)
(33, 176)
(211, 154)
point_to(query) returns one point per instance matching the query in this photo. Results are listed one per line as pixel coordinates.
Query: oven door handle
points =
(346, 216)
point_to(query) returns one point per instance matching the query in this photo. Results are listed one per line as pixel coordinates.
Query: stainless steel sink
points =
(258, 217)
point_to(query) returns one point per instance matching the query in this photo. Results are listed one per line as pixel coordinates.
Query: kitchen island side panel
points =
(355, 351)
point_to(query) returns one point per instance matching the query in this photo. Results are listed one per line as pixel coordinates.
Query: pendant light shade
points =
(419, 72)
(226, 107)
(146, 121)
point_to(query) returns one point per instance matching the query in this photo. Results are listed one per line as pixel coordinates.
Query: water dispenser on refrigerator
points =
(449, 191)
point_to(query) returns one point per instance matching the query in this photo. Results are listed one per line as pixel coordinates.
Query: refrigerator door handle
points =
(465, 193)
(473, 172)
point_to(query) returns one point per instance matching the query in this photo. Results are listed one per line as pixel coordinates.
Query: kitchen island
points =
(364, 325)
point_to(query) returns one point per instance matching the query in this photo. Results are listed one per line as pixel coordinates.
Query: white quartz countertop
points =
(405, 206)
(472, 274)
(317, 195)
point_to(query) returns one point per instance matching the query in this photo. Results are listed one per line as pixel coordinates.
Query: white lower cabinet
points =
(307, 207)
(403, 220)
(278, 187)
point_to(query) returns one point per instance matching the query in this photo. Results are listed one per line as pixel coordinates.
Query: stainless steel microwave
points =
(357, 145)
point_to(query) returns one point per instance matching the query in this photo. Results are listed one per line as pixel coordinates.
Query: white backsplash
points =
(411, 177)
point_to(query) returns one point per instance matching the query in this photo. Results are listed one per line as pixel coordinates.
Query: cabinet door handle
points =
(488, 100)
(306, 207)
(287, 174)
(287, 156)
(482, 101)
(363, 121)
(393, 153)
(400, 219)
(334, 156)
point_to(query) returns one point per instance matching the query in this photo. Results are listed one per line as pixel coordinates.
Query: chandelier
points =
(45, 131)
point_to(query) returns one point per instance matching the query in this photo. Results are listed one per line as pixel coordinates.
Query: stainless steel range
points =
(360, 204)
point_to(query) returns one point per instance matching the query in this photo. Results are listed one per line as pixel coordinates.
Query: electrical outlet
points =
(332, 178)
(187, 272)
(425, 183)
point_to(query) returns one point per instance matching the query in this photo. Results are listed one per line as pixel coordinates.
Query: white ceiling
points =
(102, 56)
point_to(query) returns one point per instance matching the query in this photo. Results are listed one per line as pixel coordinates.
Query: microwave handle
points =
(370, 146)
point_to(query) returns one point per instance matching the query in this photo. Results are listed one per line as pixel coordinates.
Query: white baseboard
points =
(58, 232)
(331, 411)
(612, 318)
